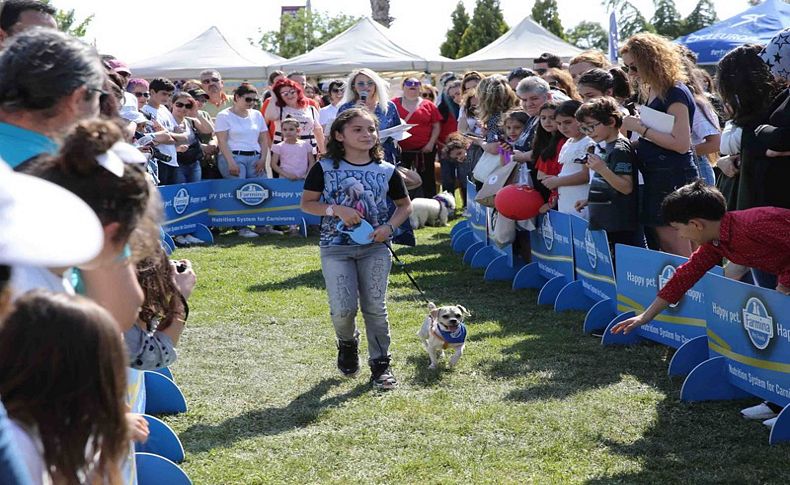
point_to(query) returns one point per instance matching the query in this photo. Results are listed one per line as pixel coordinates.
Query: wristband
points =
(644, 133)
(392, 229)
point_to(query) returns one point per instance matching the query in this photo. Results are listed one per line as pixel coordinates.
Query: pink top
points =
(294, 158)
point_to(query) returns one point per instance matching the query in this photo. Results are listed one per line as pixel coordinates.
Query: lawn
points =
(533, 400)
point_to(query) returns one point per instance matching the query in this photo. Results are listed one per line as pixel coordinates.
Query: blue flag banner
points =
(614, 38)
(748, 334)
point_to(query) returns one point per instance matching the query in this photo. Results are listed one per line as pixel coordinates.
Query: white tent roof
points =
(209, 50)
(519, 46)
(365, 44)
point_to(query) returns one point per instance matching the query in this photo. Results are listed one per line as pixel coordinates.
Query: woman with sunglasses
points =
(419, 150)
(289, 101)
(139, 88)
(190, 153)
(329, 112)
(666, 159)
(368, 90)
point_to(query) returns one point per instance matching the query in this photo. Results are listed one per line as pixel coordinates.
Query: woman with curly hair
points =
(560, 80)
(666, 159)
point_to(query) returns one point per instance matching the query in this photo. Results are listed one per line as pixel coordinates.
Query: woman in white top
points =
(242, 136)
(328, 113)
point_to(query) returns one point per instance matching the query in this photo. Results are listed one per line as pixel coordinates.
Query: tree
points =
(667, 20)
(704, 14)
(487, 25)
(588, 35)
(304, 31)
(67, 22)
(630, 20)
(452, 40)
(547, 14)
(381, 12)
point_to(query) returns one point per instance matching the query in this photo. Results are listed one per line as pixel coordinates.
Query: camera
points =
(158, 155)
(181, 266)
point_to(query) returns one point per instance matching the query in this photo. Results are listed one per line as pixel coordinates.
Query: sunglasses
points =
(427, 95)
(589, 128)
(411, 84)
(142, 95)
(337, 90)
(364, 84)
(541, 71)
(631, 68)
(179, 104)
(250, 100)
(210, 80)
(290, 92)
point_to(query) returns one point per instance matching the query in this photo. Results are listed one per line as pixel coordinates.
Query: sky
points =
(115, 31)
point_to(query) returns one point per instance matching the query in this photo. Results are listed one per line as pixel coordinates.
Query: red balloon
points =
(518, 202)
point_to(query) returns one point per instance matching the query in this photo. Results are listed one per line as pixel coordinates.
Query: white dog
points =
(443, 328)
(432, 212)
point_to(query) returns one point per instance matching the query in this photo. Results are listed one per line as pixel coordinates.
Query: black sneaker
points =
(381, 375)
(348, 357)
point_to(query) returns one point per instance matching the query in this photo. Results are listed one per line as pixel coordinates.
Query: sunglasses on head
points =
(210, 80)
(411, 84)
(143, 95)
(631, 68)
(179, 104)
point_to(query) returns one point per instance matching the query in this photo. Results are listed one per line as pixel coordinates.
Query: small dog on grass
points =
(432, 212)
(443, 328)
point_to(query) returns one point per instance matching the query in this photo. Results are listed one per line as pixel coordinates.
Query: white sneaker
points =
(181, 241)
(770, 422)
(247, 232)
(759, 412)
(193, 240)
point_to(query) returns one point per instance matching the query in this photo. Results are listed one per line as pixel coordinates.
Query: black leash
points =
(403, 266)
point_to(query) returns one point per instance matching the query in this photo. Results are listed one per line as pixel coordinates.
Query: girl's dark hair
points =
(274, 75)
(334, 148)
(114, 199)
(454, 141)
(243, 89)
(111, 100)
(544, 144)
(470, 76)
(602, 80)
(466, 102)
(162, 298)
(602, 109)
(63, 368)
(746, 84)
(568, 108)
(696, 200)
(517, 115)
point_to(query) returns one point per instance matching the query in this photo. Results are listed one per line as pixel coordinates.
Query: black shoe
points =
(348, 357)
(381, 375)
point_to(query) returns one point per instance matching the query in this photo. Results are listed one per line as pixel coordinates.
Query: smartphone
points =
(473, 135)
(582, 159)
(144, 140)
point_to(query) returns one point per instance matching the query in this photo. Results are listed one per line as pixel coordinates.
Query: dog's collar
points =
(442, 202)
(455, 336)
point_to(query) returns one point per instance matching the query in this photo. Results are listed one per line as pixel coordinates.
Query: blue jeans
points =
(13, 470)
(452, 171)
(356, 276)
(705, 170)
(246, 165)
(186, 174)
(167, 174)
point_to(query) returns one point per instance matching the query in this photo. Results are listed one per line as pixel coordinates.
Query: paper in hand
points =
(656, 120)
(397, 133)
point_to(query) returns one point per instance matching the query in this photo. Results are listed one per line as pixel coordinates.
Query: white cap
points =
(43, 224)
(130, 113)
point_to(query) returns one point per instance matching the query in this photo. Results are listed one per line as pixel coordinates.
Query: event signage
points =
(593, 262)
(471, 235)
(185, 206)
(641, 273)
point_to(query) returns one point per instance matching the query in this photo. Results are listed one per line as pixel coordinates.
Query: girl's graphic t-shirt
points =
(362, 187)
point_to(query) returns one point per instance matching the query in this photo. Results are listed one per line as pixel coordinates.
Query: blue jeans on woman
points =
(705, 170)
(186, 174)
(246, 164)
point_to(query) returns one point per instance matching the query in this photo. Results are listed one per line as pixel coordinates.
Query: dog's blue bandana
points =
(457, 336)
(442, 201)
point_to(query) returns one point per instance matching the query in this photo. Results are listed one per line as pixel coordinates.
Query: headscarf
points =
(776, 54)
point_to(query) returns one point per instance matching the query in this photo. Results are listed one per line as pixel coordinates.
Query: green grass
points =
(533, 400)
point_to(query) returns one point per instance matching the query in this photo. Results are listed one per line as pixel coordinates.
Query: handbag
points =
(487, 163)
(410, 177)
(503, 229)
(499, 178)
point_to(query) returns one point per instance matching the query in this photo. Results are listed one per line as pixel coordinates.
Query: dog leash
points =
(402, 265)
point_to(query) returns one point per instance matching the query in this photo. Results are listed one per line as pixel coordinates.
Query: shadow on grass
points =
(423, 376)
(311, 279)
(300, 412)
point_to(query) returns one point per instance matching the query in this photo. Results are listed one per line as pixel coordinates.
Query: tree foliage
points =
(304, 31)
(547, 14)
(630, 20)
(703, 15)
(588, 35)
(667, 20)
(487, 25)
(68, 23)
(452, 40)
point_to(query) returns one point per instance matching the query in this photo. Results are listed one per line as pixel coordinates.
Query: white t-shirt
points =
(164, 117)
(326, 116)
(243, 132)
(568, 195)
(31, 450)
(26, 278)
(702, 127)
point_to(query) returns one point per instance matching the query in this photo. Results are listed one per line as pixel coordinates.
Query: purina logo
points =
(547, 232)
(589, 248)
(181, 201)
(252, 194)
(758, 324)
(664, 276)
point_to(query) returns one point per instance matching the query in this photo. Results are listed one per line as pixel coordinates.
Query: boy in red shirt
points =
(758, 238)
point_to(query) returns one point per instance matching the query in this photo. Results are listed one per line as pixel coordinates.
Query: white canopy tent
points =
(519, 46)
(365, 44)
(209, 50)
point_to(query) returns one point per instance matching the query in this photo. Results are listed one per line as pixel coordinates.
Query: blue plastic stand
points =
(548, 294)
(458, 227)
(156, 470)
(600, 315)
(165, 371)
(484, 257)
(688, 356)
(462, 240)
(203, 233)
(610, 338)
(503, 268)
(169, 244)
(162, 441)
(529, 277)
(780, 433)
(572, 297)
(709, 382)
(472, 250)
(163, 395)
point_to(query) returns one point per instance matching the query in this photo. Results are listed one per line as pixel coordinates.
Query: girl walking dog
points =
(349, 188)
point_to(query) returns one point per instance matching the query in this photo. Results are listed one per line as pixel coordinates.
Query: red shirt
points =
(758, 238)
(551, 166)
(424, 117)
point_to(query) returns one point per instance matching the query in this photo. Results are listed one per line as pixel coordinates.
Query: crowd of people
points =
(86, 289)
